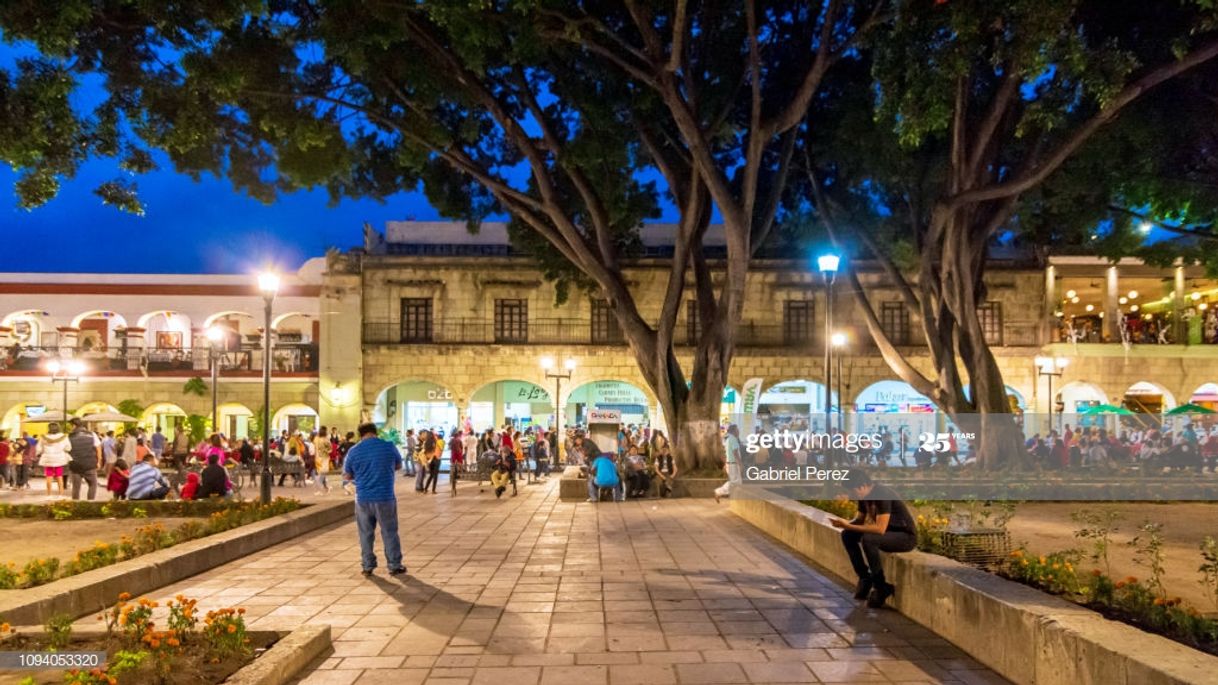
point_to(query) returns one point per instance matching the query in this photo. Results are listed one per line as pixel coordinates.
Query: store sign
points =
(613, 416)
(613, 392)
(439, 395)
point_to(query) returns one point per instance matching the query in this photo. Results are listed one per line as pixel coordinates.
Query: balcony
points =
(560, 331)
(288, 359)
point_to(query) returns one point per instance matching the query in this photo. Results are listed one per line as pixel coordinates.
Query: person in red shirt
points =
(6, 469)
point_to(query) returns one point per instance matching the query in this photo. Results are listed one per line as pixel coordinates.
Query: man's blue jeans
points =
(619, 493)
(367, 516)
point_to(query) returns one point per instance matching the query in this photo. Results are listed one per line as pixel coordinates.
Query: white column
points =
(1112, 314)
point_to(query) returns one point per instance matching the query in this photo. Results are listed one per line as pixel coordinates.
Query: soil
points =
(1045, 527)
(190, 667)
(24, 539)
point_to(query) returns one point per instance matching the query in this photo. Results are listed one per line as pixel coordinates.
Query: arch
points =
(895, 408)
(293, 418)
(166, 329)
(235, 419)
(1020, 403)
(1206, 395)
(634, 402)
(95, 408)
(1146, 397)
(27, 325)
(119, 320)
(281, 318)
(223, 315)
(1076, 396)
(97, 328)
(523, 403)
(18, 414)
(796, 398)
(163, 415)
(416, 404)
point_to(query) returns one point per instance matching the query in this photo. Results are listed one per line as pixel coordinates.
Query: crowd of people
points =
(1192, 447)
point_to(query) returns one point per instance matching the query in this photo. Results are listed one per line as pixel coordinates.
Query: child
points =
(117, 482)
(192, 486)
(499, 478)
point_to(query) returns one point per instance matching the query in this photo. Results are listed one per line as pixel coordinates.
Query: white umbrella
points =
(108, 417)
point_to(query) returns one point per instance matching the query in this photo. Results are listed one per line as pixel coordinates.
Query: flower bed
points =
(138, 651)
(220, 516)
(68, 510)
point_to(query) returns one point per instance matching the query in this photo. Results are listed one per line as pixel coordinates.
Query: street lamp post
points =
(547, 363)
(213, 339)
(838, 341)
(65, 372)
(268, 283)
(1050, 368)
(828, 264)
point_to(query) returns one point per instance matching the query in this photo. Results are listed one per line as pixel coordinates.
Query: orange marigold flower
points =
(124, 596)
(241, 610)
(1159, 601)
(232, 628)
(1119, 584)
(1130, 580)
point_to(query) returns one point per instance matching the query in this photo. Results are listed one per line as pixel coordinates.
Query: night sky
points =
(188, 227)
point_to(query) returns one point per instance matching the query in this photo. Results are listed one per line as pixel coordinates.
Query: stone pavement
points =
(535, 591)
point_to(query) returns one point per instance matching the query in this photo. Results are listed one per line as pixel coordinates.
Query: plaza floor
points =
(531, 590)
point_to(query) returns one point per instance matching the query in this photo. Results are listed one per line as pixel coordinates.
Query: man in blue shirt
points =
(371, 463)
(603, 474)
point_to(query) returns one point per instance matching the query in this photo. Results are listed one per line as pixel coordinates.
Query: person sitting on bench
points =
(602, 473)
(883, 524)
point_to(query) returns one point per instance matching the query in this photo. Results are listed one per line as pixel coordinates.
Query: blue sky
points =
(188, 227)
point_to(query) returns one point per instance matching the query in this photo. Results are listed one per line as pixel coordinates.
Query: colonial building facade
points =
(430, 325)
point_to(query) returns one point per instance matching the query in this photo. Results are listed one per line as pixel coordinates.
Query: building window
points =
(797, 321)
(605, 329)
(894, 321)
(693, 326)
(416, 319)
(511, 321)
(990, 315)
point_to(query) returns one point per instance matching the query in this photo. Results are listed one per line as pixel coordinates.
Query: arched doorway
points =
(235, 420)
(27, 327)
(165, 416)
(520, 403)
(1145, 397)
(1206, 395)
(629, 399)
(416, 405)
(97, 330)
(166, 333)
(24, 417)
(894, 409)
(1014, 398)
(294, 418)
(794, 402)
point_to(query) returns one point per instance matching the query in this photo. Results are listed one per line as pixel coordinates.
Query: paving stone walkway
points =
(530, 590)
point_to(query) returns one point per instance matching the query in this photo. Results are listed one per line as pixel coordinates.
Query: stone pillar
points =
(340, 351)
(1179, 329)
(69, 338)
(1049, 318)
(1112, 312)
(135, 344)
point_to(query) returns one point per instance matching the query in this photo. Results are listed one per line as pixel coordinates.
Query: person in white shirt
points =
(54, 456)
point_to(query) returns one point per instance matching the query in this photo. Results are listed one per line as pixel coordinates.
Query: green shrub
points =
(39, 571)
(59, 632)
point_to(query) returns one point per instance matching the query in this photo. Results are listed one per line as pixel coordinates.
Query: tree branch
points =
(1128, 95)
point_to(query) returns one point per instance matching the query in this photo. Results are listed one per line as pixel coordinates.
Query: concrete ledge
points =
(573, 488)
(286, 658)
(1025, 635)
(94, 590)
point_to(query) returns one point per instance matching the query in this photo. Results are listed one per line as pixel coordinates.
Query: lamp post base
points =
(265, 487)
